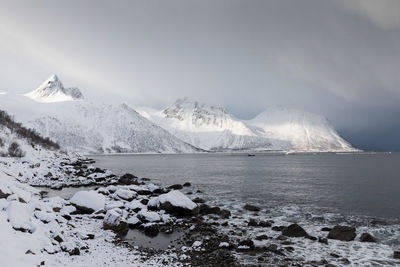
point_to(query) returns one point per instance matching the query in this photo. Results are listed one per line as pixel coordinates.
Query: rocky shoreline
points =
(210, 235)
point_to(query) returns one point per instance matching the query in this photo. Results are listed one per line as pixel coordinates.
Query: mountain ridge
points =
(277, 128)
(82, 126)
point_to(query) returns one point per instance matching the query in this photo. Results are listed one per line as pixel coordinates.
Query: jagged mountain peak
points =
(192, 106)
(52, 90)
(197, 113)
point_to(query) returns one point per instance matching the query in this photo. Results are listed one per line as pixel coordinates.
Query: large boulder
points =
(88, 201)
(19, 216)
(294, 230)
(342, 233)
(128, 179)
(174, 202)
(115, 222)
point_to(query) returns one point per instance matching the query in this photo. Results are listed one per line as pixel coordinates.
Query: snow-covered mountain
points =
(277, 128)
(208, 127)
(303, 130)
(79, 125)
(52, 90)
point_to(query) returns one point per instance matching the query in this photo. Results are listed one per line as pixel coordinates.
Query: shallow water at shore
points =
(348, 184)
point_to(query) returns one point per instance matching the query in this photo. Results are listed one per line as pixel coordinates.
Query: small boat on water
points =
(251, 155)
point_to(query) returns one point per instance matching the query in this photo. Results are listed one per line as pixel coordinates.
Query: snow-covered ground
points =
(42, 231)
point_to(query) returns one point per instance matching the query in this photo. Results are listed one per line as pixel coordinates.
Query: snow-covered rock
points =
(125, 194)
(19, 216)
(114, 221)
(149, 216)
(88, 201)
(174, 202)
(277, 128)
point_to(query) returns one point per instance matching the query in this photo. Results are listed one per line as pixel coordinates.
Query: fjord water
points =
(348, 184)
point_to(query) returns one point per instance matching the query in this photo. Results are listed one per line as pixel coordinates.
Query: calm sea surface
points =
(350, 184)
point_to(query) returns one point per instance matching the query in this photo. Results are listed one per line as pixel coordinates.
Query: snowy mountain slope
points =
(52, 90)
(210, 128)
(213, 128)
(90, 128)
(18, 141)
(305, 131)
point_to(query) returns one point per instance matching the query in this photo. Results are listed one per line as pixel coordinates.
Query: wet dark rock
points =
(262, 237)
(287, 243)
(326, 229)
(251, 207)
(135, 225)
(187, 184)
(225, 214)
(342, 233)
(294, 230)
(290, 249)
(157, 191)
(345, 261)
(323, 240)
(313, 238)
(67, 217)
(175, 187)
(198, 200)
(48, 175)
(151, 230)
(278, 228)
(335, 255)
(252, 222)
(247, 242)
(366, 237)
(74, 252)
(128, 179)
(205, 209)
(98, 170)
(178, 211)
(82, 209)
(58, 238)
(396, 255)
(144, 201)
(90, 236)
(56, 209)
(264, 224)
(281, 237)
(144, 192)
(274, 249)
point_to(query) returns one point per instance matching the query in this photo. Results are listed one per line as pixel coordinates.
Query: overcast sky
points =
(338, 58)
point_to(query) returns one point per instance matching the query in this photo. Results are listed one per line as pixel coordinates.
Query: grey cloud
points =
(337, 58)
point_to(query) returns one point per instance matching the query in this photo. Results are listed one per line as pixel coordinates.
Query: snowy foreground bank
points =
(90, 229)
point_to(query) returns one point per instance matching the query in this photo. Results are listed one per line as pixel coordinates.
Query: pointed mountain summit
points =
(52, 90)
